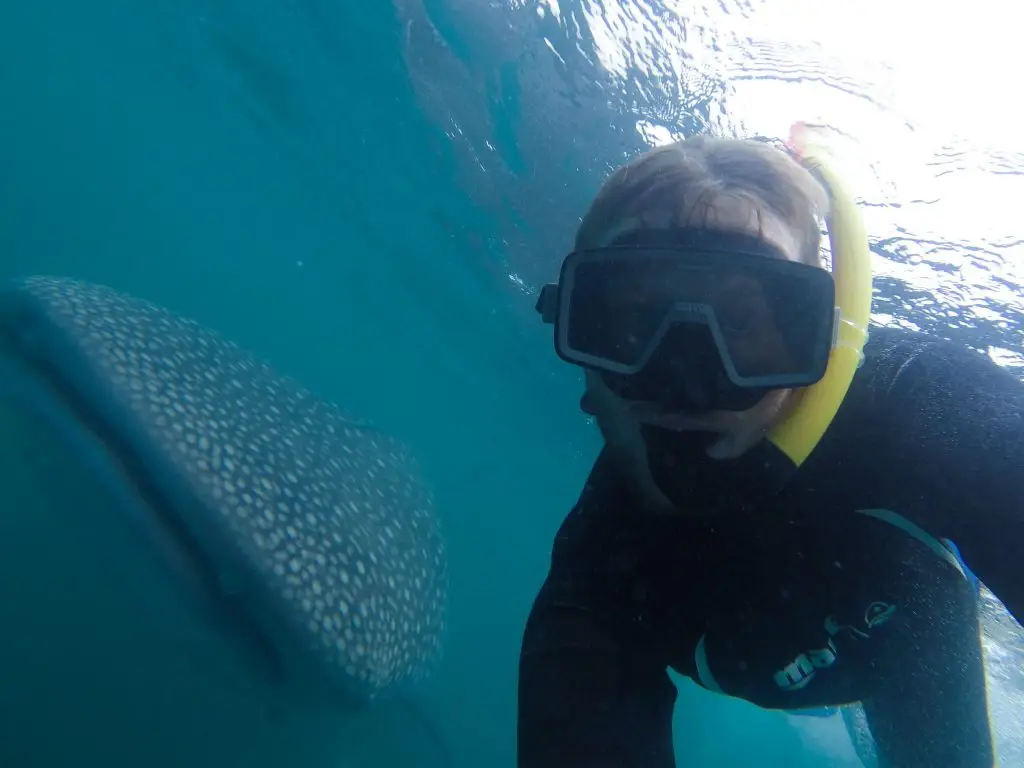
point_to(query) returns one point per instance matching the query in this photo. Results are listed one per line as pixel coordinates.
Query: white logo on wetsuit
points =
(878, 613)
(804, 667)
(799, 672)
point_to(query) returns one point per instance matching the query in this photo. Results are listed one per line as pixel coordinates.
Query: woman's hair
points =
(678, 185)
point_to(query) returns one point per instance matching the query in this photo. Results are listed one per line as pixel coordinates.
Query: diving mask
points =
(693, 319)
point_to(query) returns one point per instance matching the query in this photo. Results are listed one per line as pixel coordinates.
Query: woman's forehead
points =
(728, 213)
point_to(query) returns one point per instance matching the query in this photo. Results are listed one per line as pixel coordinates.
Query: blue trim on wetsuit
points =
(967, 571)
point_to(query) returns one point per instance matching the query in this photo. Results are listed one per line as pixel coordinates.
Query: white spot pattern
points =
(325, 512)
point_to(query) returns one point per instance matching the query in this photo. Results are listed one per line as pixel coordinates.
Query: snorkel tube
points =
(798, 434)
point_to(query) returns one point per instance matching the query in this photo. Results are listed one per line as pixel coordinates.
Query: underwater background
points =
(369, 195)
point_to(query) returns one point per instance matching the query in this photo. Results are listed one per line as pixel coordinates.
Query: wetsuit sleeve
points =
(934, 711)
(957, 428)
(593, 691)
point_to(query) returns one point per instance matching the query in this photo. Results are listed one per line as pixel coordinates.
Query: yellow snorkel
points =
(801, 431)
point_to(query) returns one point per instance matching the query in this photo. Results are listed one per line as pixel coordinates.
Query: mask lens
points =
(768, 320)
(619, 304)
(772, 320)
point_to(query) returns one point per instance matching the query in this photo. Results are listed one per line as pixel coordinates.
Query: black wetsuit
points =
(835, 590)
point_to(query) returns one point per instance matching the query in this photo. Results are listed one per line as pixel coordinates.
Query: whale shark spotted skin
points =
(309, 526)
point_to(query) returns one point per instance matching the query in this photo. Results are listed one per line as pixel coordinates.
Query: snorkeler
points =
(774, 511)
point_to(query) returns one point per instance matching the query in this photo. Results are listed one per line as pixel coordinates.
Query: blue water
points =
(369, 194)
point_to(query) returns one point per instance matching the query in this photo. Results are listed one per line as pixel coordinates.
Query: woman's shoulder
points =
(928, 396)
(901, 366)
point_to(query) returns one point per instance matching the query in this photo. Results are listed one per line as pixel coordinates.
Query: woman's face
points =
(737, 431)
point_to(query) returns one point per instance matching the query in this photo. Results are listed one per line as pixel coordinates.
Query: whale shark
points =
(200, 561)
